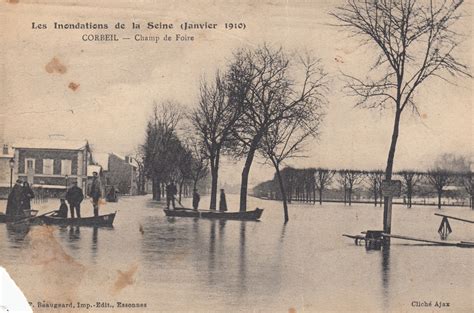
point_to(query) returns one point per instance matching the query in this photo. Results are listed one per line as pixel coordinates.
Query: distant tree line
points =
(319, 184)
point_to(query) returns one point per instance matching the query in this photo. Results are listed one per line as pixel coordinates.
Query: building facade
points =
(119, 172)
(6, 171)
(52, 164)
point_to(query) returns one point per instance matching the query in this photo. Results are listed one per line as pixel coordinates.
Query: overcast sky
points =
(119, 82)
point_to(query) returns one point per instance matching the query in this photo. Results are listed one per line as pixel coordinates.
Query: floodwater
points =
(191, 265)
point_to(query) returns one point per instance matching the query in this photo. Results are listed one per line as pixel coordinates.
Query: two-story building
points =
(52, 164)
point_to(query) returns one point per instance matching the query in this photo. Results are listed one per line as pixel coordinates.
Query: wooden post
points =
(387, 219)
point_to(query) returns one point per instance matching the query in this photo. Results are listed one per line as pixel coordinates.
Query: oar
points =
(179, 202)
(32, 217)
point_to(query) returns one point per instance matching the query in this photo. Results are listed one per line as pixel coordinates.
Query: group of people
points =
(171, 192)
(19, 199)
(74, 197)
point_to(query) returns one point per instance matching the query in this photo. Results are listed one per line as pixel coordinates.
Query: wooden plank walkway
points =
(455, 218)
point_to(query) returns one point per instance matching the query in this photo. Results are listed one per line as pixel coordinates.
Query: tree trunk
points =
(214, 178)
(245, 173)
(440, 192)
(156, 189)
(321, 195)
(282, 190)
(350, 196)
(375, 192)
(387, 228)
(181, 189)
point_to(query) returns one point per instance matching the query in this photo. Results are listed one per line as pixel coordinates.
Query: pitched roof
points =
(59, 144)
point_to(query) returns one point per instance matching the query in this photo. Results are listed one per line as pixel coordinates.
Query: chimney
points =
(127, 159)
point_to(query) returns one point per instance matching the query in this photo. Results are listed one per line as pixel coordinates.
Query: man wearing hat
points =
(74, 197)
(15, 199)
(95, 192)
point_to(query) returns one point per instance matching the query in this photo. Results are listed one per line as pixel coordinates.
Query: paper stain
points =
(124, 279)
(73, 86)
(13, 1)
(291, 310)
(338, 59)
(58, 270)
(424, 116)
(55, 66)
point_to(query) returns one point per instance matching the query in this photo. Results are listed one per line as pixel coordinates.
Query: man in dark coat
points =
(196, 199)
(28, 194)
(14, 200)
(171, 191)
(95, 193)
(74, 197)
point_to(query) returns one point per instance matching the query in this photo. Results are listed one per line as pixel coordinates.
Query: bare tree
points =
(139, 158)
(439, 179)
(375, 184)
(342, 181)
(199, 162)
(350, 178)
(323, 178)
(284, 139)
(214, 119)
(160, 144)
(410, 180)
(415, 40)
(269, 94)
(467, 181)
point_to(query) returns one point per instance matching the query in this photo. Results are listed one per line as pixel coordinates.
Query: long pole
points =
(11, 178)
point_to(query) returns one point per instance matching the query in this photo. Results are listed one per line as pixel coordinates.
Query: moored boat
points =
(242, 216)
(101, 220)
(26, 217)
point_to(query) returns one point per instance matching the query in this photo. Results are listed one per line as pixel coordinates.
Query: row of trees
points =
(266, 102)
(305, 184)
(169, 154)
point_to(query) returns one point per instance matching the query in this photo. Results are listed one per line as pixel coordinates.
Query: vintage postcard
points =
(236, 156)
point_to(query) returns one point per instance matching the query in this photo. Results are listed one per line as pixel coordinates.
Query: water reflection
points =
(385, 272)
(95, 242)
(242, 259)
(16, 233)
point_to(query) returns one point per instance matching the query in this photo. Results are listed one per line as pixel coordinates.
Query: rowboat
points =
(27, 215)
(242, 216)
(101, 220)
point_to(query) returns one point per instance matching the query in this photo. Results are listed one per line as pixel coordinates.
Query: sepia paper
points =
(93, 71)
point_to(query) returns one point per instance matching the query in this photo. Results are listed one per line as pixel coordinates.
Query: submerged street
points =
(151, 262)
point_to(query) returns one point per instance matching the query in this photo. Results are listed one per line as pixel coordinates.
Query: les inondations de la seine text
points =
(153, 32)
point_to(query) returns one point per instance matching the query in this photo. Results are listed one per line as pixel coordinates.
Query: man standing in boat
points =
(74, 197)
(95, 192)
(196, 199)
(14, 200)
(171, 192)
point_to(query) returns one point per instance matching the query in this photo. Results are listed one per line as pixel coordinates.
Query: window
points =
(65, 167)
(30, 165)
(48, 166)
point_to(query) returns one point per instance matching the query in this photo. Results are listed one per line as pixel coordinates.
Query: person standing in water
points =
(222, 202)
(196, 199)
